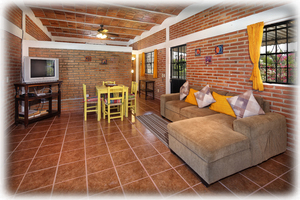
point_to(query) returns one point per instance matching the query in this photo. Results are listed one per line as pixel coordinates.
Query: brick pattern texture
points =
(154, 39)
(219, 14)
(33, 30)
(160, 82)
(231, 71)
(74, 70)
(13, 14)
(13, 68)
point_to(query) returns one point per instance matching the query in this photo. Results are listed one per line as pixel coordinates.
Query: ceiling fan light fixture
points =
(101, 36)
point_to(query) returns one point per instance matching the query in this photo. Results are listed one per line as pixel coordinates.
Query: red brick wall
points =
(12, 60)
(160, 83)
(231, 71)
(13, 67)
(13, 14)
(33, 30)
(74, 71)
(219, 14)
(154, 39)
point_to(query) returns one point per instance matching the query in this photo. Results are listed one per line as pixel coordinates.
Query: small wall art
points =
(208, 59)
(198, 52)
(219, 49)
(88, 58)
(103, 61)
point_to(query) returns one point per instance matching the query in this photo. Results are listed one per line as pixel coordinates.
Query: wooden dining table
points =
(102, 89)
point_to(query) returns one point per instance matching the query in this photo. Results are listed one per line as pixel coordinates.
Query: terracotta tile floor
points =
(65, 155)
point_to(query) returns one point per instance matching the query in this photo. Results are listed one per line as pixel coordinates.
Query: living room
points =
(196, 26)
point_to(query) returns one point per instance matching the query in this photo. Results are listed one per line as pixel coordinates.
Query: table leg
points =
(99, 106)
(126, 103)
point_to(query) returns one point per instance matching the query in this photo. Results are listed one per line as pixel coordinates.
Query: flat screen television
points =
(36, 69)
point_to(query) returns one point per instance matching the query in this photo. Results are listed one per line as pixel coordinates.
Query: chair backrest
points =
(109, 82)
(134, 87)
(112, 99)
(84, 92)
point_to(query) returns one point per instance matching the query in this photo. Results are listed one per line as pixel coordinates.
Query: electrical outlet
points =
(87, 95)
(157, 90)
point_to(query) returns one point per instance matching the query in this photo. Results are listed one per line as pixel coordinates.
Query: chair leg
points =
(85, 112)
(103, 109)
(121, 112)
(108, 113)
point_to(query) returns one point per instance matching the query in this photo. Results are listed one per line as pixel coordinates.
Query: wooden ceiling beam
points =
(140, 9)
(91, 24)
(90, 36)
(93, 15)
(80, 29)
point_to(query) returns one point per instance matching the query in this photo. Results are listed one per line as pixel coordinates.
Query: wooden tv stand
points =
(27, 117)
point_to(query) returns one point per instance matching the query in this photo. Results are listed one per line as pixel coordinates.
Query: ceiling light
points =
(101, 36)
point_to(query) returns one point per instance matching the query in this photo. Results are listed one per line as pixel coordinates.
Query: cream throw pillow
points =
(184, 90)
(204, 97)
(245, 105)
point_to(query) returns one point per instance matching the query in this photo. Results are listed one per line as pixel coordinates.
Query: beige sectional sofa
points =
(216, 145)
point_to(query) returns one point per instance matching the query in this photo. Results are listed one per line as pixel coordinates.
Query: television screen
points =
(42, 68)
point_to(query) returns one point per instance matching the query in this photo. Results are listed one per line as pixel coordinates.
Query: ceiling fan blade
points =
(113, 34)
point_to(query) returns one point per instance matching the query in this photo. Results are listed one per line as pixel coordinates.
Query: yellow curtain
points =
(143, 65)
(255, 34)
(155, 64)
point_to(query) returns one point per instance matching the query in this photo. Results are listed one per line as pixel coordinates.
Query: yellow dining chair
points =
(111, 101)
(109, 82)
(132, 97)
(89, 104)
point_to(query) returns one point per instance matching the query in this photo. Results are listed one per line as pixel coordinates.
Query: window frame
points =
(151, 63)
(276, 53)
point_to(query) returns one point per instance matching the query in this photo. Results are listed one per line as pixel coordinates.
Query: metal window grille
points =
(278, 53)
(149, 62)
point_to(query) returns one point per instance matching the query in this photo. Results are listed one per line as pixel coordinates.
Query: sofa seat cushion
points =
(176, 105)
(194, 111)
(223, 119)
(208, 139)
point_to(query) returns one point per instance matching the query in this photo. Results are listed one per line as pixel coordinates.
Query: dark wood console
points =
(145, 88)
(27, 93)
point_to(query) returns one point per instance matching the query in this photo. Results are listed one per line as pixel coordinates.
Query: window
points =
(149, 62)
(278, 53)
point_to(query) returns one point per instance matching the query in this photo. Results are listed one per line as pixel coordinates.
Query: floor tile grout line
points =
(62, 146)
(15, 128)
(172, 195)
(112, 161)
(165, 159)
(32, 159)
(277, 177)
(147, 105)
(259, 187)
(228, 189)
(139, 161)
(85, 160)
(281, 163)
(19, 143)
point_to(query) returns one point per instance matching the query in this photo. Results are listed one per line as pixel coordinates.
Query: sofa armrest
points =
(255, 126)
(167, 97)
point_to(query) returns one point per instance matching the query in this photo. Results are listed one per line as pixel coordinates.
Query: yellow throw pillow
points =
(222, 105)
(191, 97)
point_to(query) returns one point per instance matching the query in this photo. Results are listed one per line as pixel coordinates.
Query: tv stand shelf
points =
(25, 117)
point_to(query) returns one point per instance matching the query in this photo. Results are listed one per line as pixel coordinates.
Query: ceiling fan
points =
(103, 33)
